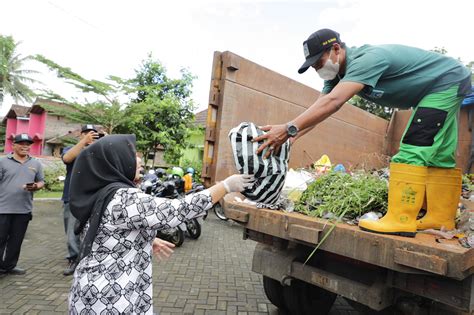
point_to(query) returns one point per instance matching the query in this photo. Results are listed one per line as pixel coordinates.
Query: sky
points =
(101, 37)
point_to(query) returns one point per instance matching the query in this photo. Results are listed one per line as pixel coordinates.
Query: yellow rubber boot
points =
(406, 192)
(443, 190)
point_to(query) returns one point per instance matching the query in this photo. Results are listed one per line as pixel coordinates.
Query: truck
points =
(375, 273)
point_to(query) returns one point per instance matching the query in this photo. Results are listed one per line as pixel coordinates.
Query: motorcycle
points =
(173, 187)
(193, 226)
(152, 185)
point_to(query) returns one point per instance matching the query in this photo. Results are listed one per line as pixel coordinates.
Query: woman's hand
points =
(276, 135)
(162, 249)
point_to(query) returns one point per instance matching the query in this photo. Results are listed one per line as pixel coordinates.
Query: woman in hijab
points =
(119, 223)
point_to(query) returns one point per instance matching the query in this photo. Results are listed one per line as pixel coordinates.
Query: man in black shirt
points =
(88, 135)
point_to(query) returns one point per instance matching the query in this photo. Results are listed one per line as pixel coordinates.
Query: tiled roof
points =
(200, 118)
(16, 111)
(38, 107)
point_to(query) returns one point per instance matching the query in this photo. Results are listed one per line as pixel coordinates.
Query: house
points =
(194, 154)
(40, 123)
(196, 139)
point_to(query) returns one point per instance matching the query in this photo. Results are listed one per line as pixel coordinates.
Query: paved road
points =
(211, 275)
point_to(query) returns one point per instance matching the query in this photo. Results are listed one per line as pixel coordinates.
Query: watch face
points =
(292, 130)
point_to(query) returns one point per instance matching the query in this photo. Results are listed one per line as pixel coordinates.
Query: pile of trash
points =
(464, 231)
(332, 192)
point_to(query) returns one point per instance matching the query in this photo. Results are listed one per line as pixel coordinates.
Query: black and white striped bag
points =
(269, 173)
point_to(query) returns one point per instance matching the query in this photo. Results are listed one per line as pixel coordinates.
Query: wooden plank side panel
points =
(431, 263)
(350, 241)
(343, 142)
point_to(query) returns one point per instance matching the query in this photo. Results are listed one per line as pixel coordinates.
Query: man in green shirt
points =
(403, 77)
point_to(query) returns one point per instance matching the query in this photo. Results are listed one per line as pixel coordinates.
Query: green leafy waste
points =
(337, 195)
(341, 195)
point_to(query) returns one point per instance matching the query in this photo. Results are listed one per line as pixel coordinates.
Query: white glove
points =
(238, 182)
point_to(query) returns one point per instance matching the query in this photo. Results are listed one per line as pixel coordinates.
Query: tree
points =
(156, 108)
(162, 111)
(13, 77)
(376, 109)
(106, 110)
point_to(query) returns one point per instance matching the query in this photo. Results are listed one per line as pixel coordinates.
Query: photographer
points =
(88, 135)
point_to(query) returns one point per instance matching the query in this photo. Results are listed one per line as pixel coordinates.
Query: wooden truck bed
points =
(422, 253)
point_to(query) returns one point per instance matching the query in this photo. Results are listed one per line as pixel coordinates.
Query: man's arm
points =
(72, 153)
(324, 107)
(327, 105)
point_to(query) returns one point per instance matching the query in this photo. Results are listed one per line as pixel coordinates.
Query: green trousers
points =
(431, 136)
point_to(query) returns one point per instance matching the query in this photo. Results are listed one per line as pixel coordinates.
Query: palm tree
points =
(12, 75)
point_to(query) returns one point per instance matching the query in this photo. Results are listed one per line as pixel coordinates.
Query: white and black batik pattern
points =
(116, 278)
(269, 173)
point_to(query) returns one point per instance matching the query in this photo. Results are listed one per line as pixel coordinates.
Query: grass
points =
(47, 194)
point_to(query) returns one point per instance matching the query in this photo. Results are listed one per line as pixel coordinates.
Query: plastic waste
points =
(323, 165)
(296, 183)
(372, 216)
(339, 168)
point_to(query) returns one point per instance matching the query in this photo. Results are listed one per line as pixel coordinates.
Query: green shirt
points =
(400, 76)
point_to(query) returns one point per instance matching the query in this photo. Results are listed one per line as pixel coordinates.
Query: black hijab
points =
(99, 171)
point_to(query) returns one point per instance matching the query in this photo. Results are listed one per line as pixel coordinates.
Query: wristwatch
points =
(291, 130)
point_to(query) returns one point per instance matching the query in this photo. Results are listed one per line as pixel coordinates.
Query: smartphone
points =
(30, 184)
(99, 135)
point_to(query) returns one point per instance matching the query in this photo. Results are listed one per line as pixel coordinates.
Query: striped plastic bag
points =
(269, 173)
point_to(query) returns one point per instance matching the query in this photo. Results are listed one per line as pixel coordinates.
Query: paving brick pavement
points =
(211, 275)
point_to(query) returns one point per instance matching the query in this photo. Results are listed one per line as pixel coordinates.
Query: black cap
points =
(87, 128)
(22, 137)
(315, 46)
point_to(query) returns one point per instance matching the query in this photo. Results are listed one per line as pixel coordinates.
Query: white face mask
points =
(330, 69)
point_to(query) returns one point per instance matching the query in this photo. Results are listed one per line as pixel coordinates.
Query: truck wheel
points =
(302, 298)
(274, 292)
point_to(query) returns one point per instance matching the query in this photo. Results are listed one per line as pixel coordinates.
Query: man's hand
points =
(89, 138)
(32, 187)
(276, 135)
(162, 249)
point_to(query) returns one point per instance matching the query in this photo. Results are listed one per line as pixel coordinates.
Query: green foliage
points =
(162, 112)
(151, 78)
(13, 77)
(342, 195)
(468, 181)
(107, 111)
(52, 170)
(162, 122)
(371, 107)
(197, 165)
(158, 109)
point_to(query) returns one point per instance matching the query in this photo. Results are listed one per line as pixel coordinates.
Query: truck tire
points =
(274, 292)
(302, 298)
